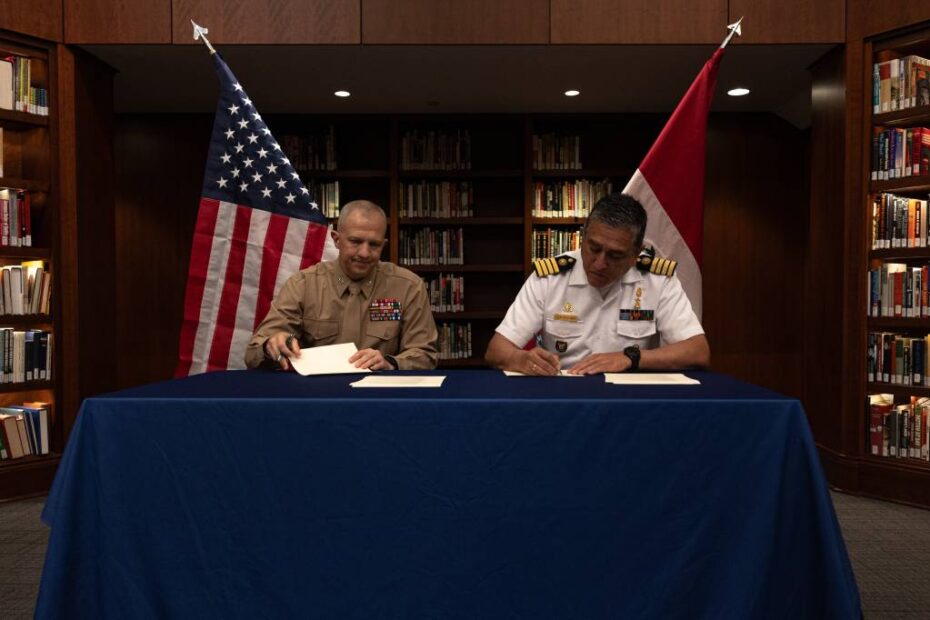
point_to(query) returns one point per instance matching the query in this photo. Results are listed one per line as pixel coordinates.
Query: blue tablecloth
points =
(270, 495)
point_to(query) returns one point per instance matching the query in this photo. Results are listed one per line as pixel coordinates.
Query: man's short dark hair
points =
(620, 210)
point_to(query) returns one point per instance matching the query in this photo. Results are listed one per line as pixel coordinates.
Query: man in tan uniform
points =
(382, 308)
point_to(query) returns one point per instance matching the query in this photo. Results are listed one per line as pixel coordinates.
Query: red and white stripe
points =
(670, 182)
(239, 259)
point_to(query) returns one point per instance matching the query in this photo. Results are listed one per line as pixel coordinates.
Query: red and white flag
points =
(256, 226)
(669, 183)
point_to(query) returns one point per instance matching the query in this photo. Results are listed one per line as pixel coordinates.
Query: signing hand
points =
(282, 346)
(540, 362)
(601, 362)
(370, 359)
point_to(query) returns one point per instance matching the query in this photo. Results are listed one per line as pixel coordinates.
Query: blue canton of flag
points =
(245, 164)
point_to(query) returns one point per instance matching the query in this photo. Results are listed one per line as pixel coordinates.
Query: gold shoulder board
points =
(551, 266)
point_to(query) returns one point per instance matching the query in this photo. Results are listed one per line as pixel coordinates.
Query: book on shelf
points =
(898, 431)
(446, 293)
(15, 218)
(437, 199)
(899, 222)
(899, 152)
(897, 84)
(568, 198)
(12, 440)
(430, 246)
(554, 241)
(435, 150)
(312, 152)
(454, 341)
(552, 151)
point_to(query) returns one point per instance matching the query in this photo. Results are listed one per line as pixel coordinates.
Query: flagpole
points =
(734, 28)
(201, 33)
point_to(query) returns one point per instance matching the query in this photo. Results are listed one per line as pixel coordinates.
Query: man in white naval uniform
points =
(616, 311)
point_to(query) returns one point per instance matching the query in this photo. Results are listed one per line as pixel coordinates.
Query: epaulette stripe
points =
(553, 266)
(542, 270)
(538, 268)
(672, 264)
(545, 266)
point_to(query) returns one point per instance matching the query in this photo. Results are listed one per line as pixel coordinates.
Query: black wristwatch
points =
(632, 352)
(390, 359)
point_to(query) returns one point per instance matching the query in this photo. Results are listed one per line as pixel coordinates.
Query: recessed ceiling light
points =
(342, 93)
(572, 93)
(738, 92)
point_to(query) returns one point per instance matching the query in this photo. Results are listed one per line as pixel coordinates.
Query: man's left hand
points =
(370, 359)
(601, 362)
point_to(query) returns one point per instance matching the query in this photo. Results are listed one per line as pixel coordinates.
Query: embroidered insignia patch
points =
(385, 309)
(561, 346)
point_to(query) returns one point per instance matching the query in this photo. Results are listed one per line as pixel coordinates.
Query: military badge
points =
(385, 309)
(561, 346)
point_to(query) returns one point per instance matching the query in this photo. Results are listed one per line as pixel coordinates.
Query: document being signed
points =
(331, 359)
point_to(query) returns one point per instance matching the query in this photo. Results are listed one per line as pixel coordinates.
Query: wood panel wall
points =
(791, 21)
(38, 18)
(754, 234)
(111, 21)
(870, 17)
(269, 21)
(154, 226)
(464, 21)
(638, 21)
(824, 308)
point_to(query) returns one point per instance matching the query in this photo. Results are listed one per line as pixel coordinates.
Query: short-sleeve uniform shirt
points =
(576, 319)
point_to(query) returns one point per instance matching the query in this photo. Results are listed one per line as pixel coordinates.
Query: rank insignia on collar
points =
(551, 266)
(648, 261)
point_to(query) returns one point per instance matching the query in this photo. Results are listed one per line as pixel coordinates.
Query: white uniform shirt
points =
(575, 321)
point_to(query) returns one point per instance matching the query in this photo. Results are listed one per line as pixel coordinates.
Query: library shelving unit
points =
(29, 165)
(899, 477)
(459, 212)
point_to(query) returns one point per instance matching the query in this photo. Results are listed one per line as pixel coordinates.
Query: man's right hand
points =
(282, 346)
(538, 361)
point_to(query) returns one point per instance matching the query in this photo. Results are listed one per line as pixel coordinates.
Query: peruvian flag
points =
(670, 182)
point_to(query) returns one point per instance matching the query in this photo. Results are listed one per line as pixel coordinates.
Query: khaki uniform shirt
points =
(394, 317)
(574, 319)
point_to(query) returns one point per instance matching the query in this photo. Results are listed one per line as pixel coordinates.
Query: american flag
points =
(257, 225)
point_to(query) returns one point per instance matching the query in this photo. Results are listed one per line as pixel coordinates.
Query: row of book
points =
(437, 199)
(897, 359)
(899, 290)
(900, 152)
(327, 198)
(435, 150)
(899, 222)
(429, 246)
(898, 431)
(568, 198)
(900, 83)
(446, 293)
(15, 218)
(454, 341)
(16, 89)
(556, 152)
(554, 241)
(24, 430)
(309, 153)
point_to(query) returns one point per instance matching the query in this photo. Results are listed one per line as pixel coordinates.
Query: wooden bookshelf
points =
(29, 165)
(886, 476)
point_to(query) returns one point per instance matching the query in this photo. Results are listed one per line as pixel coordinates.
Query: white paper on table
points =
(649, 378)
(399, 381)
(562, 373)
(331, 359)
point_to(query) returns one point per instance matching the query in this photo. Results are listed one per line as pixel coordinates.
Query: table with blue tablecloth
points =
(248, 494)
